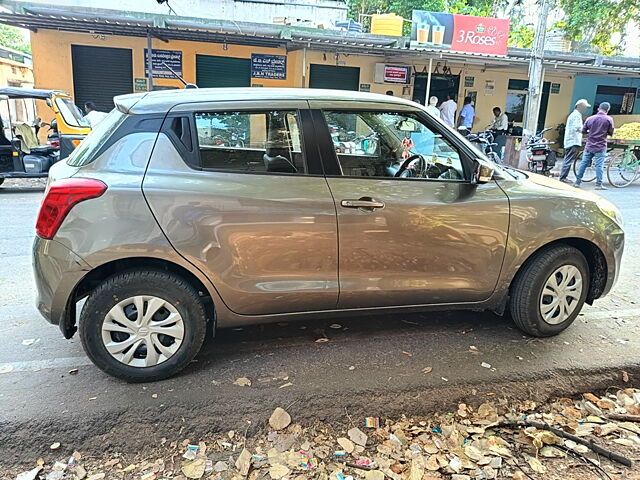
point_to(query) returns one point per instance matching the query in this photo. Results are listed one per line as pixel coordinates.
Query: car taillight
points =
(59, 199)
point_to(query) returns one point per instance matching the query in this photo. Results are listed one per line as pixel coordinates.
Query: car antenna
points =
(184, 82)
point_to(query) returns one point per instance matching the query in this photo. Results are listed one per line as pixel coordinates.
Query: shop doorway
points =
(100, 73)
(334, 77)
(441, 86)
(222, 71)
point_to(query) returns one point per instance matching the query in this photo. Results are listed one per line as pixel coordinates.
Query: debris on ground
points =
(591, 436)
(242, 382)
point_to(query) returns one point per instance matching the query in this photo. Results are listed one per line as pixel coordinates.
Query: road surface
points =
(371, 366)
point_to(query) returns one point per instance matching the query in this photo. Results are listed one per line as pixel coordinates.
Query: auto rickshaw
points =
(23, 150)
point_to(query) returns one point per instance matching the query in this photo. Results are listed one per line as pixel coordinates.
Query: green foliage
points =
(521, 36)
(11, 37)
(597, 21)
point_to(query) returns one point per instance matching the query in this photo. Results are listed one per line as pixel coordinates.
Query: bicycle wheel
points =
(589, 173)
(623, 169)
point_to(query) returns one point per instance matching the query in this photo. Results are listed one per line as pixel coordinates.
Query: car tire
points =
(101, 324)
(540, 281)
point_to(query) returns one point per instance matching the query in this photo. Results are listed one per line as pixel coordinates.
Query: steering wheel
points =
(403, 172)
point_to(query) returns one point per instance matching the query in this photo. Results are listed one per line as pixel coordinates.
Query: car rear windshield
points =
(84, 153)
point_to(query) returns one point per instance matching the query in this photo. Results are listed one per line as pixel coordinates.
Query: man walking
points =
(448, 111)
(597, 127)
(573, 137)
(467, 114)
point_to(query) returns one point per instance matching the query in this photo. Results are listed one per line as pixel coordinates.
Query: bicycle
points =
(624, 166)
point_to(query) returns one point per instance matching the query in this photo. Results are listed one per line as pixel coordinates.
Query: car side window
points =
(390, 144)
(250, 142)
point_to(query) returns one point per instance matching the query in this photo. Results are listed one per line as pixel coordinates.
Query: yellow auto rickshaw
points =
(29, 146)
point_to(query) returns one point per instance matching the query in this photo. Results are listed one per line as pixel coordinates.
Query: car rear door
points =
(436, 239)
(239, 191)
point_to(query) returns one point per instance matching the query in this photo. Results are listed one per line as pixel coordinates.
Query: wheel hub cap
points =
(142, 331)
(561, 294)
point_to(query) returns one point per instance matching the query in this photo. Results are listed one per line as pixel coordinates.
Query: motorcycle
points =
(484, 141)
(541, 159)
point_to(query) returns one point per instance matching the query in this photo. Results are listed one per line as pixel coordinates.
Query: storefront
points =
(97, 59)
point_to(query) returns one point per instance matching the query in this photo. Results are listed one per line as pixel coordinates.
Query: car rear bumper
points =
(57, 270)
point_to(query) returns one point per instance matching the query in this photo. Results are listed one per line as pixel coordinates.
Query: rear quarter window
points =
(85, 152)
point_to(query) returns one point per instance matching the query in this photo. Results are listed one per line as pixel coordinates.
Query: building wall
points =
(55, 71)
(15, 74)
(585, 87)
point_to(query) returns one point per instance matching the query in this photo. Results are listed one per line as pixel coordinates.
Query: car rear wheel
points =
(142, 326)
(549, 291)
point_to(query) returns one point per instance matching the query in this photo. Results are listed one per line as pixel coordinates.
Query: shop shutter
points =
(222, 71)
(101, 73)
(338, 78)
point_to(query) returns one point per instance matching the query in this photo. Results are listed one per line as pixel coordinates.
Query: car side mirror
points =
(482, 172)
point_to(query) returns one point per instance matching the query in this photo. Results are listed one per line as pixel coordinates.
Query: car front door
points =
(413, 229)
(247, 204)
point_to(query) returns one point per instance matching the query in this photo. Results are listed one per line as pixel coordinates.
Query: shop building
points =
(97, 54)
(15, 68)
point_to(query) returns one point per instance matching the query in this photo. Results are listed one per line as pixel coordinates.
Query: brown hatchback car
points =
(196, 209)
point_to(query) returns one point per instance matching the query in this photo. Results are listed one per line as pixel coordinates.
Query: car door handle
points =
(362, 203)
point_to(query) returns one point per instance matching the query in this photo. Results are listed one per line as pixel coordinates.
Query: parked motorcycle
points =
(484, 141)
(541, 159)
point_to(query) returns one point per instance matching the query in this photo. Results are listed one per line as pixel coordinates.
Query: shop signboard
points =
(396, 74)
(140, 84)
(160, 60)
(459, 33)
(269, 66)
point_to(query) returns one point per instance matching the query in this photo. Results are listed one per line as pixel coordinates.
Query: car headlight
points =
(610, 210)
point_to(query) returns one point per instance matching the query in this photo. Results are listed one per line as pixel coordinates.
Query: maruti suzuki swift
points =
(186, 211)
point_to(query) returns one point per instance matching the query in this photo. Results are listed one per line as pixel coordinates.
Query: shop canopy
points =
(170, 27)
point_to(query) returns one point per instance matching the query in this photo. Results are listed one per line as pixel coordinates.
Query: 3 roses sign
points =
(480, 34)
(460, 33)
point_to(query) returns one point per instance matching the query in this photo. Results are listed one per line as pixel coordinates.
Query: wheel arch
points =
(92, 279)
(592, 253)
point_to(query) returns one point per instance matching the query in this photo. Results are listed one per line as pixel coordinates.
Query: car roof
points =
(162, 101)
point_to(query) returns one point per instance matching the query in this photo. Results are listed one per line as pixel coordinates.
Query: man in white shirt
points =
(573, 137)
(93, 116)
(431, 108)
(500, 124)
(448, 111)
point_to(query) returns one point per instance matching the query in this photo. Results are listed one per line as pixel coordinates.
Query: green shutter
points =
(332, 77)
(222, 71)
(100, 73)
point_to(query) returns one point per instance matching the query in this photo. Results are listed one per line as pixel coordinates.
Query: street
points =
(367, 366)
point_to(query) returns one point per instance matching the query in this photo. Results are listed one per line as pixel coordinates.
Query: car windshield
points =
(70, 112)
(84, 153)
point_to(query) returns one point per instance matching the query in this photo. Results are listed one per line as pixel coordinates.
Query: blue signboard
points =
(160, 60)
(269, 66)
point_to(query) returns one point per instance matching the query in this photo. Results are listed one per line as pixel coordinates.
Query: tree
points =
(521, 36)
(11, 37)
(597, 21)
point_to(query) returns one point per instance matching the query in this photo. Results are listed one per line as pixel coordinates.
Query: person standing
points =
(597, 127)
(431, 108)
(93, 116)
(448, 111)
(467, 114)
(573, 137)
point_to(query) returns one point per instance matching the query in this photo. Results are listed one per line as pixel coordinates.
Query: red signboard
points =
(396, 74)
(480, 35)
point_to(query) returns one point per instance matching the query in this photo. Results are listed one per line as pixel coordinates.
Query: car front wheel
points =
(550, 290)
(142, 326)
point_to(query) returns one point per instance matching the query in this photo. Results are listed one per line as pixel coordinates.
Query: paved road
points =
(371, 365)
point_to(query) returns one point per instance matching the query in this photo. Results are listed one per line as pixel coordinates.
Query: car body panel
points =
(268, 242)
(433, 242)
(544, 211)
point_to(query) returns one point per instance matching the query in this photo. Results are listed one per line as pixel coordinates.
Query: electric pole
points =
(536, 70)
